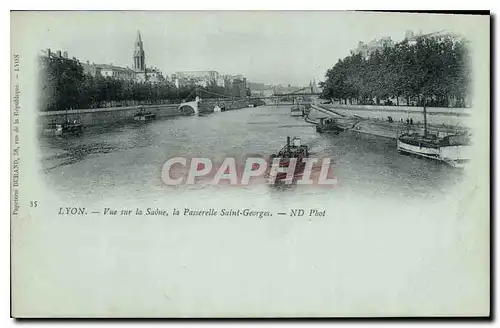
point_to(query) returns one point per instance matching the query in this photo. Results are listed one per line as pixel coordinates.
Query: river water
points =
(125, 161)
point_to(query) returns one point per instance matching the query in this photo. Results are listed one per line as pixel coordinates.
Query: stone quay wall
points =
(96, 116)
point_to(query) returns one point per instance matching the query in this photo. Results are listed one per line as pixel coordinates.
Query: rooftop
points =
(113, 67)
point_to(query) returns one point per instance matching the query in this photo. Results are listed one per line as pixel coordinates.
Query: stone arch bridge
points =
(190, 107)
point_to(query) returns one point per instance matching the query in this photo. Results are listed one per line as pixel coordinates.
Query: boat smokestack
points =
(288, 141)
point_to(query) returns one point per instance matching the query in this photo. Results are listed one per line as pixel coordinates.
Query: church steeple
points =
(139, 56)
(138, 39)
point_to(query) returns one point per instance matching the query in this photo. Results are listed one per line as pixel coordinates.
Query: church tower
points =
(139, 57)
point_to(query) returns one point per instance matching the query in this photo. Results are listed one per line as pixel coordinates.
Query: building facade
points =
(412, 37)
(154, 75)
(368, 49)
(239, 87)
(200, 78)
(116, 72)
(139, 72)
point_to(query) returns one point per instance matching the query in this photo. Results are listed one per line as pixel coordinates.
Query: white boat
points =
(453, 149)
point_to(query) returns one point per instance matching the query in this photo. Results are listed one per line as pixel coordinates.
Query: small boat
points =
(143, 116)
(57, 129)
(297, 110)
(328, 124)
(72, 127)
(53, 129)
(292, 150)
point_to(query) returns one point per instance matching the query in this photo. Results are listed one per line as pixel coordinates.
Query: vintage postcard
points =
(253, 164)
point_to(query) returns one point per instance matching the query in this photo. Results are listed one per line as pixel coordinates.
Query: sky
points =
(273, 47)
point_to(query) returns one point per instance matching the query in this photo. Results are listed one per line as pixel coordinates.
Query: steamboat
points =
(293, 150)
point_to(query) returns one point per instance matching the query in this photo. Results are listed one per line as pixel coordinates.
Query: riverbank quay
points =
(395, 109)
(112, 115)
(435, 115)
(379, 125)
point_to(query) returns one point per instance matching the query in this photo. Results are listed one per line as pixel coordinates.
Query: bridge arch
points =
(190, 108)
(187, 109)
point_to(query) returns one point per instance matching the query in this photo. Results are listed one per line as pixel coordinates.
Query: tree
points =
(432, 70)
(61, 80)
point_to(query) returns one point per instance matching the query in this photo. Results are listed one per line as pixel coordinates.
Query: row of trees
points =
(65, 86)
(434, 70)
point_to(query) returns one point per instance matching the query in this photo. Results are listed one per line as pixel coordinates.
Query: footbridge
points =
(306, 94)
(217, 102)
